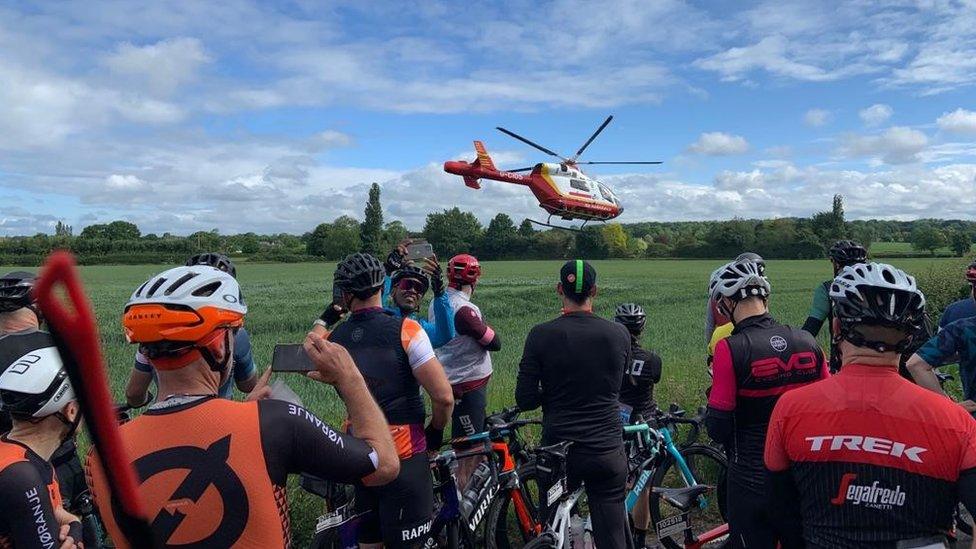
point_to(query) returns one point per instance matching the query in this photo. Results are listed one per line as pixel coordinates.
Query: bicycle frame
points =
(644, 431)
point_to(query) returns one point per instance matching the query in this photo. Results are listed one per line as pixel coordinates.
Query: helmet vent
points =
(888, 277)
(179, 282)
(152, 289)
(141, 288)
(206, 291)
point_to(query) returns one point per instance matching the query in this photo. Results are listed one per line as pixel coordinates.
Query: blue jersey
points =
(243, 364)
(441, 330)
(964, 308)
(955, 343)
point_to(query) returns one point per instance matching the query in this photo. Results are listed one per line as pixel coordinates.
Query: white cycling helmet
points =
(880, 295)
(34, 383)
(738, 280)
(184, 304)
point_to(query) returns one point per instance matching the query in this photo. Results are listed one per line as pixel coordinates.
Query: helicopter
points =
(562, 189)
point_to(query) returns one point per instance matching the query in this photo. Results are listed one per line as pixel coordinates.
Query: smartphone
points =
(336, 294)
(291, 357)
(419, 249)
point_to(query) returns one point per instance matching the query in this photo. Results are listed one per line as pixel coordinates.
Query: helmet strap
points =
(847, 332)
(72, 425)
(215, 365)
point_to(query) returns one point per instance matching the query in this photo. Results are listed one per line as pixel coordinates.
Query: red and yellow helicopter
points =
(562, 189)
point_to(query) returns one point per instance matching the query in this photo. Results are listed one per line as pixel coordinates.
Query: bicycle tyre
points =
(709, 466)
(502, 521)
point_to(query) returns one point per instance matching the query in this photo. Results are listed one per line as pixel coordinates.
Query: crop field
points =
(283, 300)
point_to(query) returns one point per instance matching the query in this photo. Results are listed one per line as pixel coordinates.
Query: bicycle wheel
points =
(964, 521)
(708, 466)
(503, 516)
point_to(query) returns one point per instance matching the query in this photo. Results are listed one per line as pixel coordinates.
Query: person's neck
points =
(570, 306)
(39, 437)
(373, 302)
(467, 290)
(190, 380)
(866, 357)
(18, 321)
(748, 309)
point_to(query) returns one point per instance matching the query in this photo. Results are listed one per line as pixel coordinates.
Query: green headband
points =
(579, 276)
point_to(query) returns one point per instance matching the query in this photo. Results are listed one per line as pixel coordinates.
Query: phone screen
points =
(419, 250)
(291, 357)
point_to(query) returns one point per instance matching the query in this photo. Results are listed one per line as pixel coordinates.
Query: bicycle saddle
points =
(682, 498)
(558, 449)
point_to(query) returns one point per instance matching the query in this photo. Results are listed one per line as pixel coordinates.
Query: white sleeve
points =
(416, 343)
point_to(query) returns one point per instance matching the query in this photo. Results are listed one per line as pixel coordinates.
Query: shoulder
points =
(802, 398)
(11, 454)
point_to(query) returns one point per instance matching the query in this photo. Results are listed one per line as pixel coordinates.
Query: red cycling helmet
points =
(463, 269)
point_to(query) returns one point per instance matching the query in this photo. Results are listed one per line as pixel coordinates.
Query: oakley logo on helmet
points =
(778, 343)
(230, 298)
(874, 445)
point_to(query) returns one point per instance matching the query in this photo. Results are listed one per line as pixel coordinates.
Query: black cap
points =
(577, 277)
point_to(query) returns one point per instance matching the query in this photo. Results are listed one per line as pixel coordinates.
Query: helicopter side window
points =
(579, 185)
(607, 194)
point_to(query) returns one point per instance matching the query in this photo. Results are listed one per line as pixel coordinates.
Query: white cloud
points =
(719, 144)
(876, 114)
(161, 67)
(958, 121)
(769, 54)
(896, 145)
(817, 117)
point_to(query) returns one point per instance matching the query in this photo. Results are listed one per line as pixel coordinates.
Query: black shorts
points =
(470, 412)
(401, 510)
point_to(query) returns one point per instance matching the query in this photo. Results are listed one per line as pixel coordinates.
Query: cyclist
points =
(637, 395)
(964, 308)
(842, 254)
(866, 458)
(404, 289)
(573, 367)
(760, 361)
(466, 357)
(717, 325)
(19, 313)
(396, 358)
(213, 471)
(245, 374)
(956, 342)
(35, 390)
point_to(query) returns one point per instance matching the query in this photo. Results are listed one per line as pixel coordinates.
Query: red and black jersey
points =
(212, 472)
(875, 458)
(753, 367)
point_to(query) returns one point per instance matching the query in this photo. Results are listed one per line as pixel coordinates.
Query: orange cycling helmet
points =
(184, 305)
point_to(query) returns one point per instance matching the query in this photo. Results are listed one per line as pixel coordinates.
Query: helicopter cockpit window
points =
(579, 184)
(608, 194)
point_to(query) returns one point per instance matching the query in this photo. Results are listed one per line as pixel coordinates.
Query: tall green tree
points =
(371, 231)
(928, 237)
(61, 229)
(116, 230)
(590, 243)
(452, 232)
(394, 232)
(830, 226)
(334, 241)
(960, 241)
(526, 230)
(501, 240)
(615, 239)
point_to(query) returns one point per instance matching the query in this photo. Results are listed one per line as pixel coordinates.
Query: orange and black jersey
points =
(212, 472)
(866, 458)
(29, 494)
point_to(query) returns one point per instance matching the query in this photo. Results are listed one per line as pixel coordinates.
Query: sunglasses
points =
(409, 284)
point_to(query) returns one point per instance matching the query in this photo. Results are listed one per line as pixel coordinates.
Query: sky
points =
(276, 116)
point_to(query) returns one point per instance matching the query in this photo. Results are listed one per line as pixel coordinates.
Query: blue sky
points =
(267, 117)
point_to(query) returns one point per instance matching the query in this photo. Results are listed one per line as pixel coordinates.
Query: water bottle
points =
(472, 492)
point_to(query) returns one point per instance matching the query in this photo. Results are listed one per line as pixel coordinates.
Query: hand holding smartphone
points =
(419, 249)
(291, 357)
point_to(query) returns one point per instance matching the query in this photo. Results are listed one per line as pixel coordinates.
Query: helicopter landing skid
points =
(549, 224)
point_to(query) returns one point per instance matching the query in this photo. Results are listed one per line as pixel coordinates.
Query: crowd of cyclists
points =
(855, 447)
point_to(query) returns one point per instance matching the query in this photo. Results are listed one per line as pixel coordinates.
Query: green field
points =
(283, 300)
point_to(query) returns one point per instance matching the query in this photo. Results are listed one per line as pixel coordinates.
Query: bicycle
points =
(567, 524)
(457, 521)
(652, 455)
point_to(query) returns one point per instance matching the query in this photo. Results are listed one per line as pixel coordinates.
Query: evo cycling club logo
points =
(871, 496)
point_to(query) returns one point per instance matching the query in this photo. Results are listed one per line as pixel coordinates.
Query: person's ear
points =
(559, 288)
(593, 291)
(71, 410)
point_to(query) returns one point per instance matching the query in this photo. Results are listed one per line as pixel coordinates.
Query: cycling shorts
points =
(470, 412)
(401, 511)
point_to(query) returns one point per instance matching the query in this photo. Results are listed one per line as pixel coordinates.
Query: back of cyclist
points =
(245, 373)
(395, 357)
(717, 325)
(466, 357)
(18, 313)
(637, 395)
(760, 361)
(842, 254)
(573, 367)
(866, 458)
(212, 471)
(35, 391)
(964, 308)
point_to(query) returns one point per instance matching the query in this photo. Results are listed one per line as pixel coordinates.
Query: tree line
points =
(454, 231)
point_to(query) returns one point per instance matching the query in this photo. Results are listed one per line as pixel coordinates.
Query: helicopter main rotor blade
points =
(592, 137)
(619, 162)
(530, 143)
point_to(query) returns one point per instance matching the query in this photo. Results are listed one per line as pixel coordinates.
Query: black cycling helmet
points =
(415, 273)
(360, 274)
(876, 294)
(632, 316)
(847, 252)
(215, 260)
(755, 258)
(15, 290)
